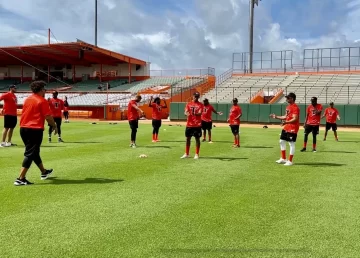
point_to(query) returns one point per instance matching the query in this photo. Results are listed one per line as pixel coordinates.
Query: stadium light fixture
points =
(252, 4)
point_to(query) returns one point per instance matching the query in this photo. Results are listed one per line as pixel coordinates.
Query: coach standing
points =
(10, 115)
(35, 110)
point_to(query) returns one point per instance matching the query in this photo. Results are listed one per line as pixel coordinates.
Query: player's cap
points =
(332, 103)
(206, 100)
(12, 86)
(314, 99)
(291, 95)
(235, 100)
(196, 94)
(55, 92)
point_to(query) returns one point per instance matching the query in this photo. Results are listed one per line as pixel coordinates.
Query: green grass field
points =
(104, 201)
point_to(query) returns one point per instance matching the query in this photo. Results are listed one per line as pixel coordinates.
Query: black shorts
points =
(332, 126)
(235, 129)
(206, 125)
(66, 113)
(10, 121)
(57, 120)
(193, 131)
(32, 139)
(156, 123)
(312, 129)
(134, 124)
(289, 137)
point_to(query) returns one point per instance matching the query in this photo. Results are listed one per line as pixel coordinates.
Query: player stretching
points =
(193, 111)
(35, 111)
(206, 119)
(66, 110)
(56, 107)
(331, 114)
(156, 116)
(290, 130)
(133, 117)
(10, 116)
(312, 122)
(234, 121)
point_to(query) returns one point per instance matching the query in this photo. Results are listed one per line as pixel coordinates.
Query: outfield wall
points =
(259, 113)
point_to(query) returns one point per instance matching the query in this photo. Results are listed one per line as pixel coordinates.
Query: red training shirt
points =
(291, 110)
(10, 103)
(207, 113)
(156, 111)
(132, 113)
(313, 118)
(194, 108)
(235, 112)
(34, 111)
(331, 115)
(56, 106)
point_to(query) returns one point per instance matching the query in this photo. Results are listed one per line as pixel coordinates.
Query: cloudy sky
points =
(186, 33)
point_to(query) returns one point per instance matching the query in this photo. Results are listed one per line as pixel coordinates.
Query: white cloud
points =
(204, 35)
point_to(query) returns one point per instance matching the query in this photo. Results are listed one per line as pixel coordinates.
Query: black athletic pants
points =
(32, 139)
(58, 121)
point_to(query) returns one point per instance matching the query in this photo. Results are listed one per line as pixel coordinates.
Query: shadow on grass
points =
(83, 142)
(320, 164)
(344, 152)
(52, 146)
(350, 141)
(256, 147)
(223, 158)
(56, 181)
(158, 147)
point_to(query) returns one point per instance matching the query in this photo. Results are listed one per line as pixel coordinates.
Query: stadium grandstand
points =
(98, 82)
(333, 75)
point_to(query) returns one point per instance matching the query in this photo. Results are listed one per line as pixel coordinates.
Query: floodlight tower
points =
(96, 5)
(252, 4)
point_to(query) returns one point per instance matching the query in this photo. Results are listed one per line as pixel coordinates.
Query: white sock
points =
(282, 145)
(292, 148)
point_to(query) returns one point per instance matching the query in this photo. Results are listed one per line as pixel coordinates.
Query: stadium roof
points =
(63, 54)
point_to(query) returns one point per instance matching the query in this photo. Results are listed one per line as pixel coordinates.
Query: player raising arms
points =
(234, 122)
(331, 114)
(56, 107)
(133, 117)
(10, 116)
(206, 119)
(291, 124)
(312, 122)
(66, 110)
(156, 106)
(193, 111)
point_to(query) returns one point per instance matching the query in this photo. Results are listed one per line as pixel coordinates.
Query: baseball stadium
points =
(106, 199)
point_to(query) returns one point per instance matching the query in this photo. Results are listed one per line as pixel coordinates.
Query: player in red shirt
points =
(312, 122)
(133, 117)
(234, 122)
(193, 111)
(206, 119)
(331, 115)
(291, 124)
(66, 110)
(10, 116)
(56, 107)
(156, 106)
(34, 113)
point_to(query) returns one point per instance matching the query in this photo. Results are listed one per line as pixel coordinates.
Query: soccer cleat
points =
(47, 173)
(3, 144)
(9, 144)
(204, 140)
(236, 146)
(153, 141)
(303, 150)
(281, 161)
(60, 140)
(210, 142)
(196, 156)
(185, 156)
(49, 140)
(314, 150)
(324, 139)
(288, 163)
(20, 182)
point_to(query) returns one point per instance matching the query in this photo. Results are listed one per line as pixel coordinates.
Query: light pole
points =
(252, 4)
(96, 5)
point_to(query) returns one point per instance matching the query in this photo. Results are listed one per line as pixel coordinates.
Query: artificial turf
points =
(105, 201)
